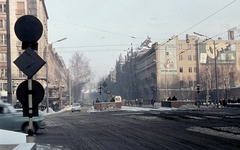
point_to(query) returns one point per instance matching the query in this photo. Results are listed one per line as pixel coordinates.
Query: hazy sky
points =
(104, 29)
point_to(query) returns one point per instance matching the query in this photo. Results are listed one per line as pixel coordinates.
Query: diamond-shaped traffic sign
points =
(105, 84)
(29, 62)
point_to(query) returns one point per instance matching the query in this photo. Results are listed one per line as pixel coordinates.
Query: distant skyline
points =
(102, 30)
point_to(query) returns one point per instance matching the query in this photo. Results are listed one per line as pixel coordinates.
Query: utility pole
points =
(207, 95)
(70, 90)
(216, 74)
(9, 61)
(215, 65)
(47, 89)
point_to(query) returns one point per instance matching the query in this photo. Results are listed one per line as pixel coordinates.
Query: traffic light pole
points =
(198, 101)
(100, 92)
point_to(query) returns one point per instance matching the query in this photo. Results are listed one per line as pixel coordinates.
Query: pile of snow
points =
(129, 108)
(92, 110)
(49, 111)
(188, 107)
(10, 137)
(68, 107)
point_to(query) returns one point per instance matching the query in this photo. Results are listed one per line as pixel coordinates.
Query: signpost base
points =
(31, 139)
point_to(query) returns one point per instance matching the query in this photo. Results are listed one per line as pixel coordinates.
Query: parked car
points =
(11, 119)
(76, 107)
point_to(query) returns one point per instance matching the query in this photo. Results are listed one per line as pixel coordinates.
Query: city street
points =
(173, 129)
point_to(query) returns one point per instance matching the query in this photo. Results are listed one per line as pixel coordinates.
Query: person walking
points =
(97, 101)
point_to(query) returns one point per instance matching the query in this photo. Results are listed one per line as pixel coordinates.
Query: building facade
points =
(176, 67)
(37, 8)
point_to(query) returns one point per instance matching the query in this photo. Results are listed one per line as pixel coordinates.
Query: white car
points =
(76, 107)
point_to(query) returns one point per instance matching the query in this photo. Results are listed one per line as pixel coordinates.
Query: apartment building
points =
(37, 8)
(176, 67)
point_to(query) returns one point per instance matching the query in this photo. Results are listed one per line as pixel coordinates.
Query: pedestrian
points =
(112, 100)
(152, 102)
(174, 98)
(97, 101)
(224, 103)
(140, 103)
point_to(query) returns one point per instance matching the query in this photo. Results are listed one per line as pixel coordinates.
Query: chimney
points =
(230, 35)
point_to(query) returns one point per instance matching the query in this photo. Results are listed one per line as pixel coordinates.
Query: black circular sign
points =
(28, 29)
(37, 93)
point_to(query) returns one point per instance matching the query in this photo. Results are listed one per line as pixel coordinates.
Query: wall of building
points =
(56, 65)
(179, 67)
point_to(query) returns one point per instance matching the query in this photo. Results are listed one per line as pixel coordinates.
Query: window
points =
(180, 57)
(195, 83)
(3, 72)
(194, 57)
(180, 46)
(180, 69)
(195, 69)
(3, 24)
(189, 57)
(21, 74)
(181, 83)
(32, 8)
(3, 86)
(193, 46)
(190, 83)
(2, 8)
(190, 69)
(20, 8)
(3, 57)
(3, 39)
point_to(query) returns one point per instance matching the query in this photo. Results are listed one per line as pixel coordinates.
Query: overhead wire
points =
(134, 37)
(130, 36)
(183, 51)
(207, 17)
(89, 50)
(173, 37)
(86, 46)
(198, 22)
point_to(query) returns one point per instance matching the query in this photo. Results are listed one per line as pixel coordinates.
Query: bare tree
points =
(227, 77)
(80, 74)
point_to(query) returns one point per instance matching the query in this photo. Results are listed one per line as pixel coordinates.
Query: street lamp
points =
(47, 93)
(215, 63)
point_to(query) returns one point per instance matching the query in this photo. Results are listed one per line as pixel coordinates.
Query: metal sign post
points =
(29, 30)
(30, 107)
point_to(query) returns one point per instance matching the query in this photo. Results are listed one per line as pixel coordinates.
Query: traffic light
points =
(187, 39)
(197, 88)
(100, 89)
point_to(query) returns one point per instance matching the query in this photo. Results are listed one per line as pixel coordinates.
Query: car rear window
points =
(76, 104)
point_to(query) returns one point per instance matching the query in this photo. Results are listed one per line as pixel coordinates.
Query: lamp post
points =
(47, 93)
(215, 64)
